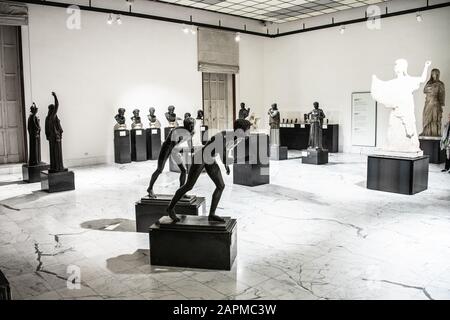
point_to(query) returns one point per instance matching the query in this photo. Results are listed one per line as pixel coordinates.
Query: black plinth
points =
(153, 143)
(317, 157)
(32, 174)
(432, 148)
(251, 175)
(397, 175)
(122, 146)
(138, 145)
(297, 137)
(167, 131)
(57, 181)
(194, 242)
(149, 211)
(5, 291)
(278, 153)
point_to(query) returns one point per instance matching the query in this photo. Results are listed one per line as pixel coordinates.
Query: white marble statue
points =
(397, 95)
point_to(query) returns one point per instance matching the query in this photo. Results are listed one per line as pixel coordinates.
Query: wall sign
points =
(364, 120)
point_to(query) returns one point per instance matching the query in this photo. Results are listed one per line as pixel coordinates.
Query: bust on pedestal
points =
(138, 138)
(122, 141)
(172, 119)
(153, 136)
(57, 178)
(277, 152)
(31, 172)
(400, 166)
(244, 112)
(316, 154)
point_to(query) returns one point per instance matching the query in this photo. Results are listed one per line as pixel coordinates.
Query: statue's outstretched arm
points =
(423, 78)
(56, 102)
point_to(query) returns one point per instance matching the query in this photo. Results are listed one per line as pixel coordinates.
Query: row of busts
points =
(154, 123)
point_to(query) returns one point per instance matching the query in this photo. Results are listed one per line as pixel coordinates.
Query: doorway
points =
(12, 140)
(218, 100)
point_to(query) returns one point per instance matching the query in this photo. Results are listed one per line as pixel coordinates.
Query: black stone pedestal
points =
(432, 147)
(153, 143)
(122, 146)
(167, 131)
(32, 174)
(316, 157)
(57, 181)
(397, 175)
(194, 242)
(278, 153)
(5, 290)
(138, 145)
(149, 211)
(251, 175)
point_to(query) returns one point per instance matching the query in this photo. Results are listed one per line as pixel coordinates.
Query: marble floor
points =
(315, 232)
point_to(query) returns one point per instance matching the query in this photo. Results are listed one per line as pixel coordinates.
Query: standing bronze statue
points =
(274, 122)
(434, 103)
(316, 120)
(244, 112)
(172, 146)
(53, 132)
(34, 133)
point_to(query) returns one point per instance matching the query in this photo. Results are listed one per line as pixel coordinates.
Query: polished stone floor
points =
(315, 232)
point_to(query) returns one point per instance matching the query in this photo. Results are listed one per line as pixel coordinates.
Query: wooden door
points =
(217, 101)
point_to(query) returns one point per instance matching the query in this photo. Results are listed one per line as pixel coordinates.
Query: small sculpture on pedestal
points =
(200, 129)
(34, 133)
(120, 118)
(316, 120)
(397, 95)
(274, 122)
(200, 115)
(208, 162)
(244, 112)
(172, 147)
(172, 117)
(254, 121)
(137, 124)
(53, 132)
(153, 121)
(187, 115)
(434, 103)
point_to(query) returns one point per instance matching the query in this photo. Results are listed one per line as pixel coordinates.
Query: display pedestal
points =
(57, 181)
(32, 174)
(194, 242)
(122, 146)
(397, 175)
(149, 211)
(251, 175)
(278, 153)
(138, 145)
(431, 147)
(204, 134)
(153, 143)
(317, 157)
(5, 291)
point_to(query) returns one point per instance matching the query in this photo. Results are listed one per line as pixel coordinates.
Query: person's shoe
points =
(215, 218)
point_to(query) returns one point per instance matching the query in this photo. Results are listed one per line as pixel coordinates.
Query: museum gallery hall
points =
(224, 150)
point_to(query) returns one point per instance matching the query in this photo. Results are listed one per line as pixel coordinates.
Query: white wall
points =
(326, 66)
(98, 69)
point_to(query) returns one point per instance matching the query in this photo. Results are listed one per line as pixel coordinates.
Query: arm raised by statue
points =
(423, 78)
(56, 102)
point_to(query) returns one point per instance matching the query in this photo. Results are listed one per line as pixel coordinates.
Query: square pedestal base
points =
(32, 174)
(397, 175)
(317, 157)
(153, 143)
(57, 181)
(138, 145)
(5, 291)
(432, 147)
(194, 242)
(122, 146)
(149, 211)
(251, 175)
(278, 153)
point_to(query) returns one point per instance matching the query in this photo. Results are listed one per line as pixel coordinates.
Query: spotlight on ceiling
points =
(237, 38)
(185, 29)
(193, 30)
(342, 30)
(110, 19)
(419, 17)
(119, 19)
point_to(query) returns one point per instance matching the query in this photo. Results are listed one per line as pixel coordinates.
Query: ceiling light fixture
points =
(419, 17)
(193, 30)
(185, 29)
(110, 19)
(342, 30)
(237, 38)
(119, 20)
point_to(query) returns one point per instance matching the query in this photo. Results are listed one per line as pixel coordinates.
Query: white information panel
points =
(364, 120)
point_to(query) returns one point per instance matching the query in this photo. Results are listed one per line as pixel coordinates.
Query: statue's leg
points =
(214, 173)
(52, 155)
(182, 174)
(59, 156)
(194, 173)
(162, 159)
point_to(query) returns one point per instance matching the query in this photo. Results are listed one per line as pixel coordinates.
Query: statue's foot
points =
(173, 216)
(444, 170)
(151, 194)
(215, 218)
